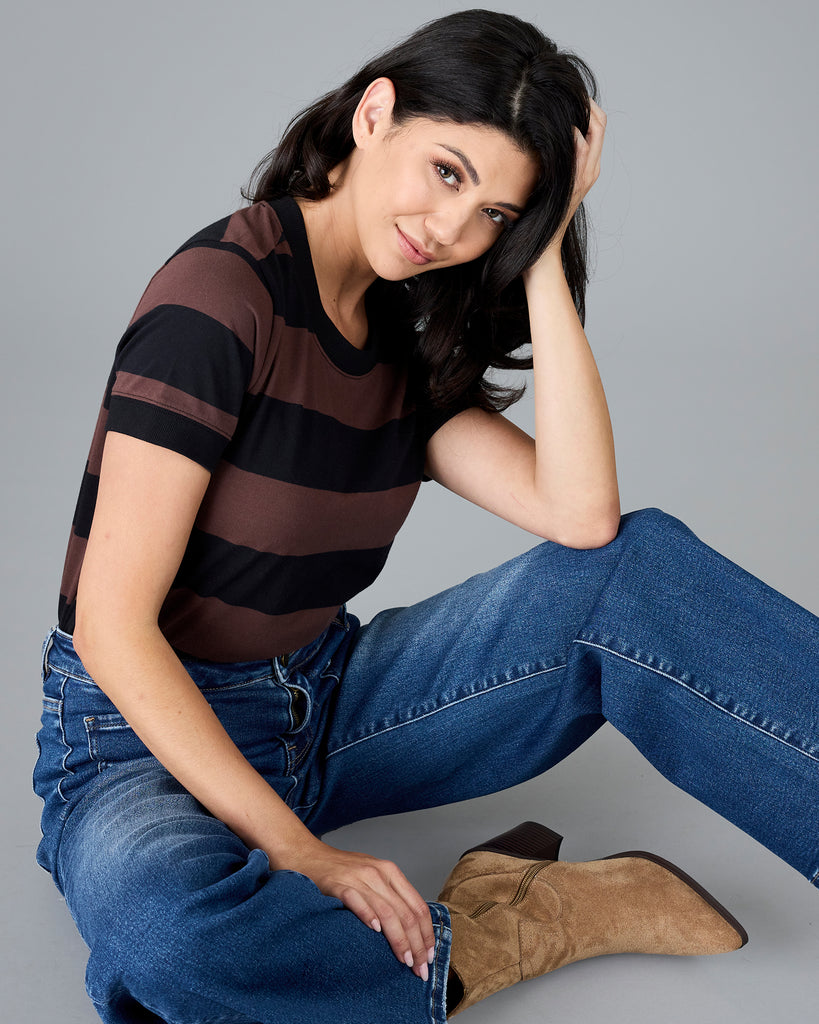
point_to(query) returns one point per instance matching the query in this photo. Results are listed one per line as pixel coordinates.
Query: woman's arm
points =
(562, 484)
(147, 501)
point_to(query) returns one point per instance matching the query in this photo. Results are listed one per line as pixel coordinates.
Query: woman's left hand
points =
(587, 152)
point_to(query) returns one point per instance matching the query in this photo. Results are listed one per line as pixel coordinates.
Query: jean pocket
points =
(112, 741)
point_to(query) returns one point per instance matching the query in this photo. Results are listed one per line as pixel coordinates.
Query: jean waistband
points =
(59, 652)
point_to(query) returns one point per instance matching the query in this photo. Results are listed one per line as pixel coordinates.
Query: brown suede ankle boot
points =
(518, 912)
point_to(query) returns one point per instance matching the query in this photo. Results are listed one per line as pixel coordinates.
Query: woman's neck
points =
(342, 273)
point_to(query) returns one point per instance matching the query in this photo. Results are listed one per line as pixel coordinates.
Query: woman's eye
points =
(448, 174)
(497, 217)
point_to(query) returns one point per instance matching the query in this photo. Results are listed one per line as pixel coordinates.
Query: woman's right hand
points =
(377, 892)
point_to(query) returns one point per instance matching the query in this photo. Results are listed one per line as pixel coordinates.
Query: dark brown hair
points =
(472, 67)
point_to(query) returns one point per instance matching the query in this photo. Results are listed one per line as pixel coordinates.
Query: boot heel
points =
(529, 840)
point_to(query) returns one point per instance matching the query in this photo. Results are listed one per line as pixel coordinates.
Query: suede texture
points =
(515, 919)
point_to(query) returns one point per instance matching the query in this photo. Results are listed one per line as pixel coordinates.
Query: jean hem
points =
(439, 970)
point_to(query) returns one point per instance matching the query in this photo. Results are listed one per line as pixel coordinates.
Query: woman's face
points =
(432, 194)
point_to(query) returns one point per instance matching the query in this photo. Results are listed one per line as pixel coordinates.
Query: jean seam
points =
(69, 749)
(695, 692)
(228, 687)
(445, 707)
(73, 675)
(104, 1003)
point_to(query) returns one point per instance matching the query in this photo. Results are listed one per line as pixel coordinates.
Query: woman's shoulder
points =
(236, 269)
(255, 232)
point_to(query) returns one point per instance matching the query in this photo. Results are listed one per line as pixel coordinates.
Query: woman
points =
(211, 709)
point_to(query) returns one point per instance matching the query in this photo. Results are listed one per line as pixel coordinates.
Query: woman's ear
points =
(373, 115)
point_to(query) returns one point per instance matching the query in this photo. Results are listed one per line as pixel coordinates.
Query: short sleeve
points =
(184, 365)
(431, 419)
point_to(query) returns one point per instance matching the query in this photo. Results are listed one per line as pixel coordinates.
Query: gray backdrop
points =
(131, 125)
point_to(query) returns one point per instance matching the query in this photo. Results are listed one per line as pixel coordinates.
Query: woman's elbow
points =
(585, 534)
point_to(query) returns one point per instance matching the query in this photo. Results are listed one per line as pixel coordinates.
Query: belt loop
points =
(48, 643)
(279, 666)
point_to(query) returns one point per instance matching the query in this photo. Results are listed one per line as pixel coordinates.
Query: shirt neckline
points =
(343, 354)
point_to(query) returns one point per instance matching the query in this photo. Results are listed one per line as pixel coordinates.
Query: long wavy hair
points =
(473, 67)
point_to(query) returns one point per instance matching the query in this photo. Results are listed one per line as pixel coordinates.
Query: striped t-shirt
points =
(316, 448)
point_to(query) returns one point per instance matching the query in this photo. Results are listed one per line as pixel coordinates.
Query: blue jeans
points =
(710, 673)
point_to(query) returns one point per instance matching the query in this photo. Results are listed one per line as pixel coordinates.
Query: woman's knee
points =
(651, 522)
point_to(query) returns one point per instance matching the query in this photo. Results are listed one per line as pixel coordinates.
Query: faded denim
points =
(709, 672)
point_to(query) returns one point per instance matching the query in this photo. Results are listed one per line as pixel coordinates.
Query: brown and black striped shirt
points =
(316, 448)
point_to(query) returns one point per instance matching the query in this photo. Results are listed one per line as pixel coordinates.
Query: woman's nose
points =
(446, 226)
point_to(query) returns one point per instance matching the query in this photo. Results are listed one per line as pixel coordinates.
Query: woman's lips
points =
(411, 251)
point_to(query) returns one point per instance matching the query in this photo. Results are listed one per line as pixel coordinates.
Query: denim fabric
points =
(709, 672)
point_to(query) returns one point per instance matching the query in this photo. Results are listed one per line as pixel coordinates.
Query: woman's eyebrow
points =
(473, 174)
(468, 166)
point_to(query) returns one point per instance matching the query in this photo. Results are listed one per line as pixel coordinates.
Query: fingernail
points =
(424, 972)
(408, 958)
(375, 924)
(430, 954)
